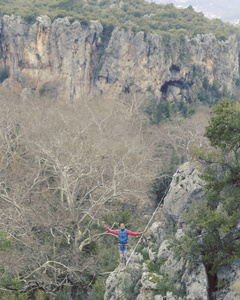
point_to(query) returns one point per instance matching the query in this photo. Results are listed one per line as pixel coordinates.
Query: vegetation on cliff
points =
(205, 94)
(138, 15)
(213, 236)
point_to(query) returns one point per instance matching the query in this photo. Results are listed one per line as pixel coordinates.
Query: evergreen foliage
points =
(161, 184)
(211, 94)
(5, 241)
(206, 94)
(98, 290)
(213, 236)
(4, 74)
(159, 111)
(10, 286)
(137, 15)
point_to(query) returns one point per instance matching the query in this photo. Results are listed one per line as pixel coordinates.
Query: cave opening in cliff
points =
(176, 83)
(174, 68)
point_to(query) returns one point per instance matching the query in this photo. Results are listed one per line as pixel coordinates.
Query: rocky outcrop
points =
(185, 187)
(229, 282)
(67, 59)
(162, 277)
(154, 271)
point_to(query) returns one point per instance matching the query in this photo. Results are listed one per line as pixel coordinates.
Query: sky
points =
(228, 11)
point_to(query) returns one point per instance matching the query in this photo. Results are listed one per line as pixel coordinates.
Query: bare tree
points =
(65, 168)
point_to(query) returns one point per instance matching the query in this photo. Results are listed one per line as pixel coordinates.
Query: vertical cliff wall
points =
(68, 59)
(45, 55)
(135, 62)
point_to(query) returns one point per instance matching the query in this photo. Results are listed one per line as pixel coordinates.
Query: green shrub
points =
(4, 74)
(98, 290)
(39, 295)
(145, 255)
(162, 182)
(123, 216)
(139, 249)
(221, 284)
(6, 242)
(158, 110)
(30, 19)
(165, 285)
(12, 288)
(152, 267)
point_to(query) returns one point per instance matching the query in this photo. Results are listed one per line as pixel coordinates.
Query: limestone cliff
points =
(68, 59)
(58, 56)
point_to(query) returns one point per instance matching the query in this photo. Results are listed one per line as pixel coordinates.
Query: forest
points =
(67, 169)
(137, 15)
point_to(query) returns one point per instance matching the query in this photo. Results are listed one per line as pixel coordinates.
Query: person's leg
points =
(125, 249)
(120, 249)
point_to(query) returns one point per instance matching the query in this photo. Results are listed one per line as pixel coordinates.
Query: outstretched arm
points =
(111, 231)
(134, 233)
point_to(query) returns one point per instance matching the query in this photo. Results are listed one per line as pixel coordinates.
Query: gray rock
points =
(114, 285)
(150, 280)
(144, 294)
(229, 277)
(69, 53)
(163, 251)
(185, 187)
(26, 93)
(158, 297)
(157, 232)
(44, 21)
(44, 53)
(137, 258)
(196, 283)
(232, 295)
(152, 255)
(179, 234)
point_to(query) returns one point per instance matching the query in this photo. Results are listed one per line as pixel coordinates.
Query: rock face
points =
(71, 60)
(172, 279)
(154, 272)
(58, 56)
(137, 63)
(229, 281)
(185, 187)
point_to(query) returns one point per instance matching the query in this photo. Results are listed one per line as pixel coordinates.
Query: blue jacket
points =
(122, 236)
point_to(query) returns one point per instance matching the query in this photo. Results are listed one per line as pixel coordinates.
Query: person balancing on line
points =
(122, 241)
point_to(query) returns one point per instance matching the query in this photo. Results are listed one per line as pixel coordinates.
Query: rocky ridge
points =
(154, 271)
(78, 62)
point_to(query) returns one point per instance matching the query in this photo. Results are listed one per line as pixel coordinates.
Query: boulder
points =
(185, 188)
